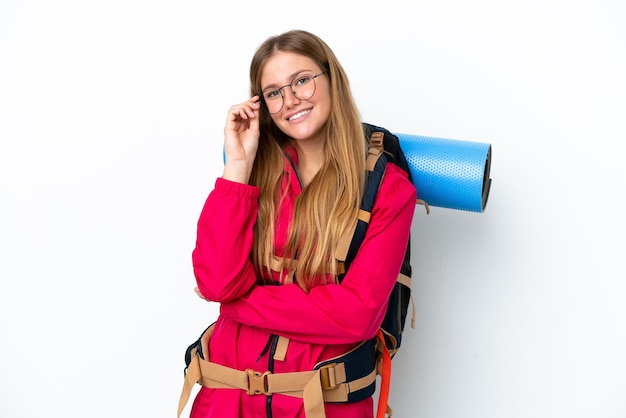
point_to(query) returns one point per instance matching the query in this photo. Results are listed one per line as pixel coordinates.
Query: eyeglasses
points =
(302, 87)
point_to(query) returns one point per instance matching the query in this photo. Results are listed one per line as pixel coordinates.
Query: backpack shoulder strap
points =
(375, 170)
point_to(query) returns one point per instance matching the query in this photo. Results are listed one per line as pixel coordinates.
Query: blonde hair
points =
(326, 209)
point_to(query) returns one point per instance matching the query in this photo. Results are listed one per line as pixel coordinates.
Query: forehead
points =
(283, 65)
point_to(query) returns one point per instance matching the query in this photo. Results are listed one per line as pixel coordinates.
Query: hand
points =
(241, 140)
(200, 295)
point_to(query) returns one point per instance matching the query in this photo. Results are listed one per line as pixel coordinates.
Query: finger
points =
(198, 292)
(254, 122)
(244, 111)
(255, 106)
(252, 105)
(237, 113)
(252, 112)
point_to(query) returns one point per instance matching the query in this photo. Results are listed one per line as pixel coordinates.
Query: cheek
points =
(326, 105)
(323, 98)
(276, 119)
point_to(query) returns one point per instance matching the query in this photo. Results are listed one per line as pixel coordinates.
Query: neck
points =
(310, 160)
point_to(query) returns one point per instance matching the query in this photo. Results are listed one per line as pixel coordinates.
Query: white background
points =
(111, 119)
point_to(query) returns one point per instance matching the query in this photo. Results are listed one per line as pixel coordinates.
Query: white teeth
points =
(299, 114)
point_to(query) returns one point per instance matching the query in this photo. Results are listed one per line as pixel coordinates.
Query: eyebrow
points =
(291, 77)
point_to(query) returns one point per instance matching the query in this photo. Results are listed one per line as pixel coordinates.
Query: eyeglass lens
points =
(302, 87)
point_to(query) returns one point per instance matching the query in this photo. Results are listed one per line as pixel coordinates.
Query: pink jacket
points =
(328, 321)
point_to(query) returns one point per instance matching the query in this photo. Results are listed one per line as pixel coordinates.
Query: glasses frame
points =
(282, 96)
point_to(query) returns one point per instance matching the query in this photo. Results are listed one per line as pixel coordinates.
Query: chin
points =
(303, 134)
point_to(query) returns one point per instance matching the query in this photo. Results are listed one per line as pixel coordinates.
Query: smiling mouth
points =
(299, 115)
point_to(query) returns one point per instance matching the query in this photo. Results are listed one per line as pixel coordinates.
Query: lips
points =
(298, 115)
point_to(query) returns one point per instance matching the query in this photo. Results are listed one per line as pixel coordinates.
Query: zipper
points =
(295, 169)
(270, 368)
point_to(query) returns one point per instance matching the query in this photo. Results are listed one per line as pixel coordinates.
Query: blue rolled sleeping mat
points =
(449, 173)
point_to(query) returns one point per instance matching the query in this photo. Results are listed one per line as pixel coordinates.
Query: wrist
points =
(238, 171)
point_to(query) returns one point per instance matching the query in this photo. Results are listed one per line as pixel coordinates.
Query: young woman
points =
(269, 235)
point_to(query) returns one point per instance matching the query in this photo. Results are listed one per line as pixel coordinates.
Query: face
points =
(300, 119)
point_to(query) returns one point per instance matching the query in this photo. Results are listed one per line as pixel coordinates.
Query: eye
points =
(271, 94)
(301, 81)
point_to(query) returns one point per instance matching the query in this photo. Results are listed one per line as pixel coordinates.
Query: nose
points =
(289, 97)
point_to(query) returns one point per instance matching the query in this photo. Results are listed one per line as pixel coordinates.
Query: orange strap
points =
(385, 375)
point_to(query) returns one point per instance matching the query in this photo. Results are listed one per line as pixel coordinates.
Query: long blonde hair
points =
(326, 209)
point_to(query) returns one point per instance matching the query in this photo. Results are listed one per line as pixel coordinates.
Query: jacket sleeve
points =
(221, 257)
(352, 311)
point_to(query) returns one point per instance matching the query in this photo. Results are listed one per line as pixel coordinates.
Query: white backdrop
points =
(111, 119)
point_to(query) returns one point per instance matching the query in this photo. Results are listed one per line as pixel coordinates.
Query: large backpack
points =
(384, 147)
